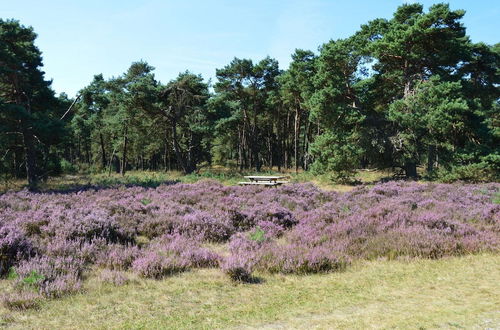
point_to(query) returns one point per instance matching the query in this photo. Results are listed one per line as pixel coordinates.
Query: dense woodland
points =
(406, 92)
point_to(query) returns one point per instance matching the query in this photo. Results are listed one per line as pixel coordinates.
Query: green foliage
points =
(337, 153)
(404, 92)
(249, 95)
(67, 167)
(12, 275)
(433, 115)
(496, 198)
(185, 101)
(488, 170)
(33, 279)
(257, 235)
(28, 109)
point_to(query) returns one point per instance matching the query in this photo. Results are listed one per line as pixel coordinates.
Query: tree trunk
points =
(431, 158)
(124, 154)
(285, 138)
(190, 162)
(306, 145)
(278, 147)
(411, 170)
(166, 158)
(175, 142)
(240, 149)
(296, 139)
(103, 151)
(29, 146)
(270, 151)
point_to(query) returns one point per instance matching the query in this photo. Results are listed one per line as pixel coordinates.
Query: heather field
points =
(181, 254)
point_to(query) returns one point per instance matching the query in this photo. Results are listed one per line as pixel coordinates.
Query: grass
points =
(456, 293)
(154, 179)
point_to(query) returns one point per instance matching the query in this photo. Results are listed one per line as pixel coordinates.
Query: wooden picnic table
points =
(267, 180)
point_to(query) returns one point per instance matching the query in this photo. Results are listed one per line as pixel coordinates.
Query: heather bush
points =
(173, 254)
(237, 269)
(204, 225)
(295, 228)
(240, 221)
(300, 260)
(62, 286)
(14, 246)
(153, 264)
(273, 213)
(87, 251)
(113, 277)
(50, 276)
(188, 249)
(245, 254)
(118, 257)
(88, 225)
(21, 300)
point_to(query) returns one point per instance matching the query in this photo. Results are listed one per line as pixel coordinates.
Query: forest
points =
(410, 92)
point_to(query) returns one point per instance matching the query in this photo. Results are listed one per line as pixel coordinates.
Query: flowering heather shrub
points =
(14, 246)
(205, 226)
(273, 213)
(172, 254)
(153, 264)
(300, 260)
(81, 249)
(21, 300)
(237, 269)
(187, 249)
(114, 277)
(51, 276)
(118, 257)
(295, 228)
(245, 254)
(62, 286)
(87, 225)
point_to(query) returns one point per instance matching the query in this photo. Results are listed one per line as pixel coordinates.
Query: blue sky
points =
(82, 38)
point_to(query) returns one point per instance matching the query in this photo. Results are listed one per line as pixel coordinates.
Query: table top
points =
(265, 177)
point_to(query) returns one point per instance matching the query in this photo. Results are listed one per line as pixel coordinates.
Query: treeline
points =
(405, 92)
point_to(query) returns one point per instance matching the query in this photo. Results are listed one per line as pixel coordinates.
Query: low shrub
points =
(487, 170)
(205, 226)
(118, 257)
(157, 265)
(113, 277)
(21, 300)
(14, 246)
(237, 269)
(50, 276)
(49, 240)
(300, 260)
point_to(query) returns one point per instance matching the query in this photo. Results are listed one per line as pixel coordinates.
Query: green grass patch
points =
(459, 292)
(496, 198)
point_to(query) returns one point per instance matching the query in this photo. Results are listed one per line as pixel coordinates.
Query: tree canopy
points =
(406, 92)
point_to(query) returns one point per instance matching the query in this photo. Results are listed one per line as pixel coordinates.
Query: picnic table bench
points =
(266, 180)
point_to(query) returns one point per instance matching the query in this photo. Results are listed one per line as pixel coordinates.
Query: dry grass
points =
(449, 293)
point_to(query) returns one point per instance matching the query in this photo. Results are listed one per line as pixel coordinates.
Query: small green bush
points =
(257, 235)
(67, 167)
(33, 279)
(488, 170)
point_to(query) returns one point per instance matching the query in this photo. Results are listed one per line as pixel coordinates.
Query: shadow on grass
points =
(68, 188)
(251, 280)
